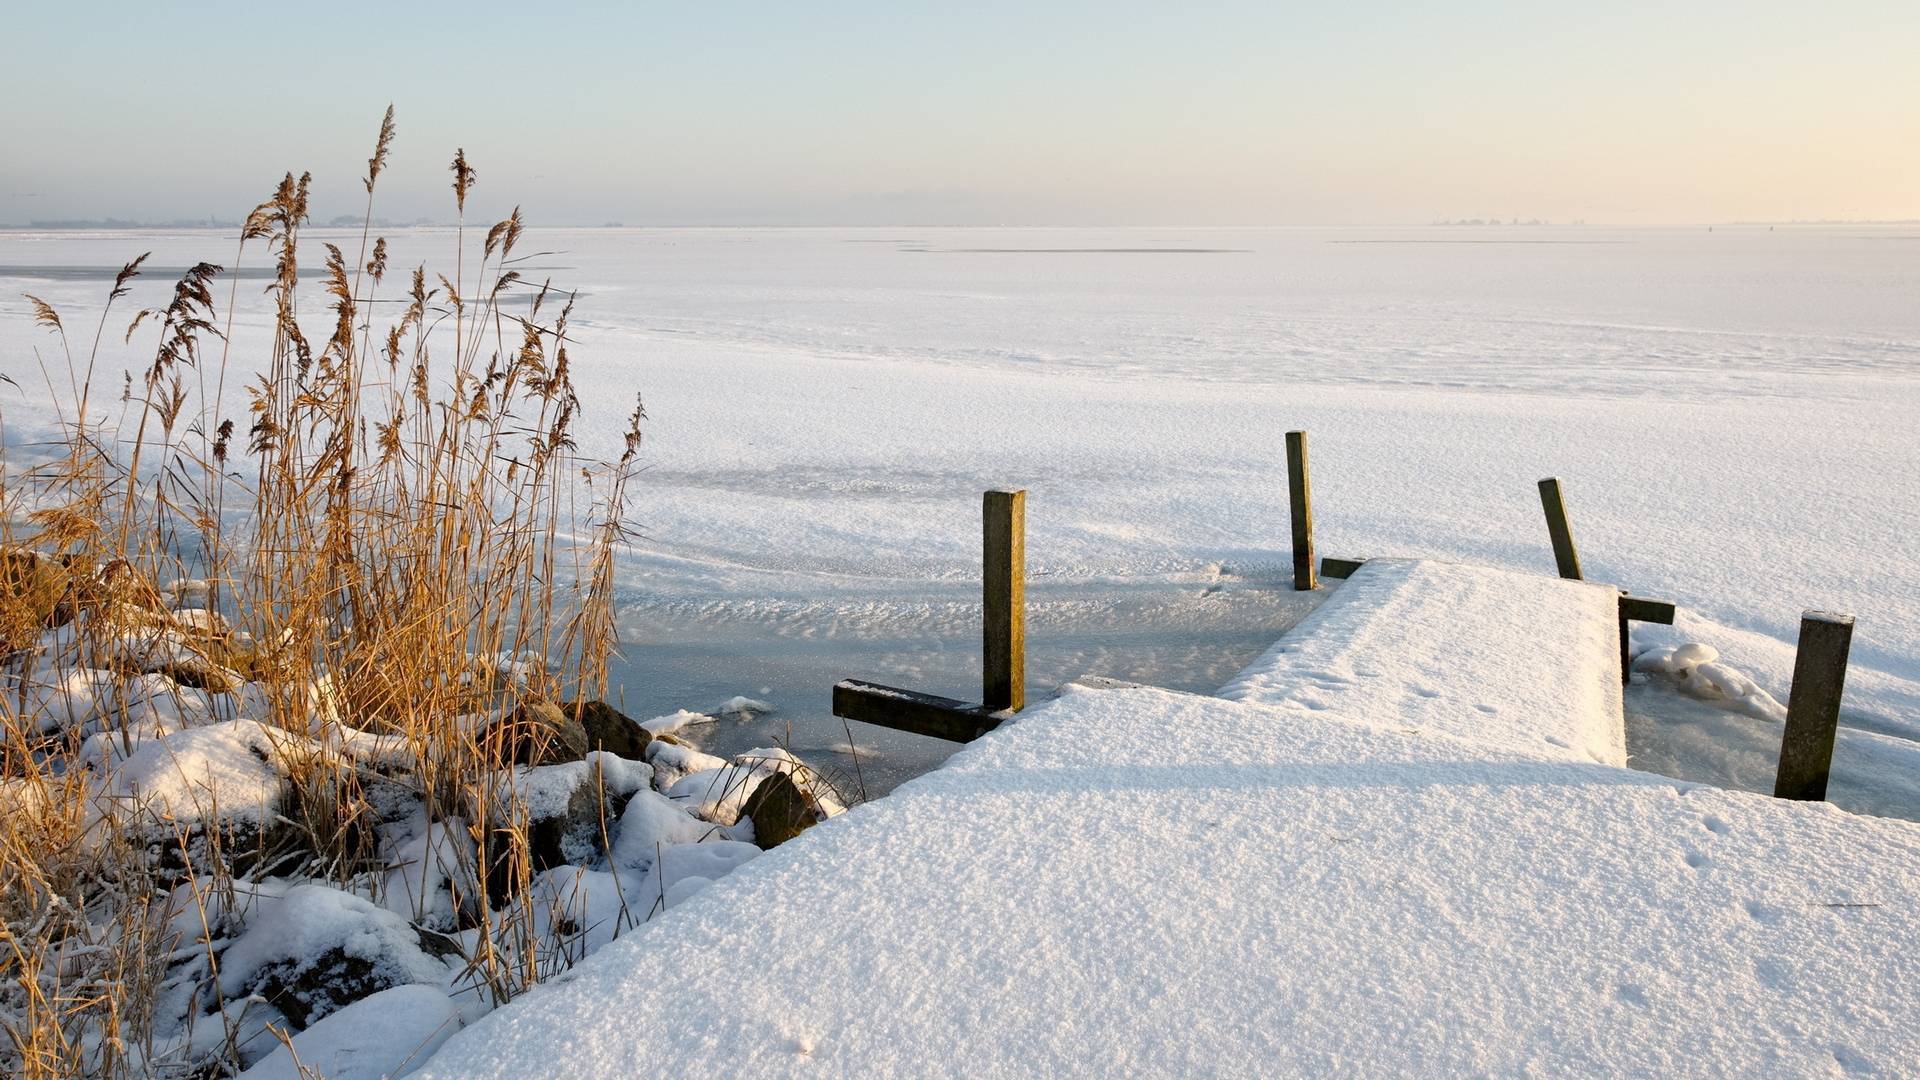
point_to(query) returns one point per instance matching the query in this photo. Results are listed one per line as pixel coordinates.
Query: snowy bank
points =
(1143, 881)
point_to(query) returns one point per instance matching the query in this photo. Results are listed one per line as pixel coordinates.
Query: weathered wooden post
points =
(1567, 558)
(1813, 706)
(1003, 634)
(1300, 501)
(1565, 555)
(1003, 624)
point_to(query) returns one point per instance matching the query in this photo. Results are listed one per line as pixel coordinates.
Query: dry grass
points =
(395, 520)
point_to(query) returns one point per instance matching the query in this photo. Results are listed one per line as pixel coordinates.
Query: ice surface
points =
(1149, 882)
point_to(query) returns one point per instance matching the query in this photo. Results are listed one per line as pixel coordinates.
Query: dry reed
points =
(396, 536)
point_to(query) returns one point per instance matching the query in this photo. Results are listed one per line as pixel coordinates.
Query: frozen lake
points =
(1733, 413)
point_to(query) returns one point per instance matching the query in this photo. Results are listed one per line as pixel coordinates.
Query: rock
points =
(205, 794)
(564, 823)
(123, 583)
(337, 813)
(117, 591)
(535, 733)
(192, 671)
(202, 675)
(572, 834)
(31, 586)
(316, 950)
(780, 811)
(607, 728)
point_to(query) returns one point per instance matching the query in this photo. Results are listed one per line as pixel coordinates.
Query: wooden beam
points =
(910, 710)
(1300, 503)
(1641, 609)
(1003, 622)
(1565, 555)
(1813, 706)
(1340, 568)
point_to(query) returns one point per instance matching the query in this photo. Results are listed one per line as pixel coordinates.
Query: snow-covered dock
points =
(1395, 853)
(1503, 657)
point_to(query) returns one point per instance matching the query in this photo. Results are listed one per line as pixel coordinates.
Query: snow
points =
(683, 890)
(1153, 882)
(421, 868)
(713, 859)
(1515, 659)
(590, 908)
(233, 771)
(1695, 669)
(652, 821)
(388, 1034)
(672, 722)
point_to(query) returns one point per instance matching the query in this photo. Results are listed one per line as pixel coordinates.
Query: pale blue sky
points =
(892, 113)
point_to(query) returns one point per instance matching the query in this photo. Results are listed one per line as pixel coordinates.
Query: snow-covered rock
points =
(672, 763)
(231, 771)
(743, 707)
(317, 949)
(721, 792)
(674, 721)
(651, 822)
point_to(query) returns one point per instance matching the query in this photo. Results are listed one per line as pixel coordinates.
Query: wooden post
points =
(1813, 706)
(1564, 553)
(1300, 501)
(1638, 609)
(1626, 652)
(1003, 620)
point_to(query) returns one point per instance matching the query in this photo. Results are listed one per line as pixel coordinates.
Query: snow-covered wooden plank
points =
(910, 710)
(1521, 660)
(1145, 883)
